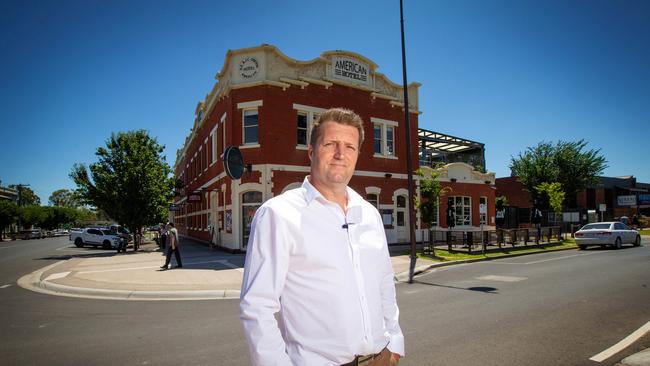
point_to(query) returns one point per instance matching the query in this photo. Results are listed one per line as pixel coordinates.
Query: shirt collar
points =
(311, 193)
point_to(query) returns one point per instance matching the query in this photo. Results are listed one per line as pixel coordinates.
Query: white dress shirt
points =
(327, 274)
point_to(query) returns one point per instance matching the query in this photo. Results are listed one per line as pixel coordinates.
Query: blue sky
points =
(508, 73)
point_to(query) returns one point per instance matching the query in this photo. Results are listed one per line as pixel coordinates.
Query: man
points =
(318, 256)
(172, 236)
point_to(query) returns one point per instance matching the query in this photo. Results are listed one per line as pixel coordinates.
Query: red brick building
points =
(264, 103)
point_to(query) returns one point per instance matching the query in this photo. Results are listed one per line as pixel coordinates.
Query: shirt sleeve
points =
(265, 270)
(389, 302)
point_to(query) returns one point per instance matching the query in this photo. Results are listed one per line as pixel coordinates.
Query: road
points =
(548, 309)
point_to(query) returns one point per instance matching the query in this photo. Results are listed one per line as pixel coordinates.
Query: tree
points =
(430, 193)
(8, 213)
(553, 194)
(26, 195)
(131, 182)
(64, 198)
(31, 216)
(567, 163)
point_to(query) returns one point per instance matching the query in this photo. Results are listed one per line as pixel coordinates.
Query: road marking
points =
(221, 261)
(56, 276)
(4, 286)
(10, 246)
(502, 278)
(622, 344)
(548, 260)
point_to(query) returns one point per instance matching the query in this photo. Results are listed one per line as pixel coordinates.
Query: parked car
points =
(105, 238)
(31, 234)
(607, 233)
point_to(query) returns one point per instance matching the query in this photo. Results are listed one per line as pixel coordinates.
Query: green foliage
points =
(131, 181)
(501, 201)
(8, 214)
(27, 195)
(31, 216)
(64, 198)
(567, 163)
(553, 194)
(430, 193)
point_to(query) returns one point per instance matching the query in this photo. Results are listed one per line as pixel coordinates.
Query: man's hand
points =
(394, 359)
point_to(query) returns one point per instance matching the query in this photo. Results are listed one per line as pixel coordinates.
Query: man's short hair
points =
(171, 224)
(337, 115)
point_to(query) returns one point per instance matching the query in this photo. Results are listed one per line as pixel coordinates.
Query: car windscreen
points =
(596, 227)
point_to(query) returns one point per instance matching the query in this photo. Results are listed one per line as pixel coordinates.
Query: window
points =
(463, 210)
(377, 139)
(383, 137)
(304, 121)
(302, 128)
(390, 141)
(483, 216)
(401, 212)
(250, 202)
(251, 125)
(373, 198)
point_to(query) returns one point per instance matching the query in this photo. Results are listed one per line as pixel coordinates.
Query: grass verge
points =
(644, 232)
(443, 255)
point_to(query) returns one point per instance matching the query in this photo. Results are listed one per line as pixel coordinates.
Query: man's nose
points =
(339, 151)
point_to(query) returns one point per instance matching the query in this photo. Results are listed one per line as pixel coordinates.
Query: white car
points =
(607, 233)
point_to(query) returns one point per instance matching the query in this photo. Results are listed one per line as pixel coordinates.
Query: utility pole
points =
(409, 162)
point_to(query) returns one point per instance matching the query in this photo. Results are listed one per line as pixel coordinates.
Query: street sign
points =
(602, 207)
(194, 197)
(174, 207)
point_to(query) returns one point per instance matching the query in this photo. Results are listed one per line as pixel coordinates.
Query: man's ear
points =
(310, 151)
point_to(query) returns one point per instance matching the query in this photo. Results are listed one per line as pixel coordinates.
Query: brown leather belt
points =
(362, 360)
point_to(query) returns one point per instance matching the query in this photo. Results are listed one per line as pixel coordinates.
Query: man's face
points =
(335, 155)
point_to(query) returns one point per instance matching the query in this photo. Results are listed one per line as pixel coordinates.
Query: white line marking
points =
(548, 260)
(221, 261)
(622, 344)
(7, 247)
(502, 278)
(4, 286)
(56, 276)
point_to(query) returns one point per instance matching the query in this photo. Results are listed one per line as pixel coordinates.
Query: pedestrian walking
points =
(174, 247)
(318, 259)
(163, 235)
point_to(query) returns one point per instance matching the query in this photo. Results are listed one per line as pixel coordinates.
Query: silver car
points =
(607, 233)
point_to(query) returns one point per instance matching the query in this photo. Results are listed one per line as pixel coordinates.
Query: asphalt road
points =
(548, 309)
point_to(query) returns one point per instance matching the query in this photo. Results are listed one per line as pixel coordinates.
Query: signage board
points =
(629, 200)
(194, 197)
(644, 199)
(174, 207)
(602, 207)
(350, 70)
(482, 208)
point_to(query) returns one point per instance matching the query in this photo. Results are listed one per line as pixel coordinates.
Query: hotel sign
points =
(626, 200)
(351, 70)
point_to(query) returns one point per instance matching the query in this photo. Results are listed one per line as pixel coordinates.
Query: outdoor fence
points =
(490, 240)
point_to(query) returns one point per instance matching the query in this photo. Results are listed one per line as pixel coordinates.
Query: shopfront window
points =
(251, 201)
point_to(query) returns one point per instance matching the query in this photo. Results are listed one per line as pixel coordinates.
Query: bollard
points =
(449, 241)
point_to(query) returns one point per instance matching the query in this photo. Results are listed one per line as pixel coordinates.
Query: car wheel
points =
(106, 244)
(582, 247)
(618, 244)
(78, 243)
(637, 242)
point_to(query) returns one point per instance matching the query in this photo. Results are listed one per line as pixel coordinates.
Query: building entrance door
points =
(402, 218)
(251, 201)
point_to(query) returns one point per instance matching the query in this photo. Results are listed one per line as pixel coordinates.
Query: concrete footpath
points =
(206, 275)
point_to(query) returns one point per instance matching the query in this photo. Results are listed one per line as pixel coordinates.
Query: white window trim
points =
(384, 123)
(213, 136)
(222, 122)
(249, 105)
(245, 145)
(310, 111)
